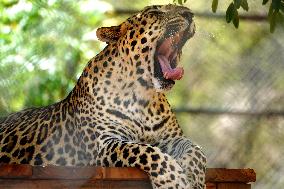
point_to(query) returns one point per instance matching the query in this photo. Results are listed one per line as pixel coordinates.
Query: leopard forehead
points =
(150, 24)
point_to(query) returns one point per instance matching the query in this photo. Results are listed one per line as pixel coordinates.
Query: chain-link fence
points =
(232, 102)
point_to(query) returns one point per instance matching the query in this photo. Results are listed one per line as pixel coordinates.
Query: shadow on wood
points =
(90, 177)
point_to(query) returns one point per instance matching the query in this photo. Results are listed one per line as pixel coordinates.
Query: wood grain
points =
(18, 171)
(230, 175)
(69, 184)
(210, 185)
(233, 186)
(56, 172)
(32, 177)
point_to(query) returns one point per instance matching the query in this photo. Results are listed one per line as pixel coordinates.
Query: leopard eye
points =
(156, 12)
(186, 15)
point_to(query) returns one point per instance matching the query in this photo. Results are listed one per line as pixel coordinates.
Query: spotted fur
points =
(117, 114)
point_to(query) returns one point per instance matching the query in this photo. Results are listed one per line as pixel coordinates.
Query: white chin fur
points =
(157, 85)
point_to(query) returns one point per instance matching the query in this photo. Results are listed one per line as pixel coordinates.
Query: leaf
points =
(244, 5)
(276, 4)
(214, 5)
(180, 1)
(236, 19)
(273, 21)
(237, 3)
(264, 2)
(282, 6)
(230, 12)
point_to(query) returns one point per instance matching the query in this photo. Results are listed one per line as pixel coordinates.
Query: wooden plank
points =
(233, 186)
(124, 173)
(93, 173)
(112, 173)
(84, 184)
(18, 171)
(230, 175)
(56, 172)
(210, 185)
(72, 184)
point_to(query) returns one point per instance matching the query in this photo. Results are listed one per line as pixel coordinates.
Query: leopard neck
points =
(110, 78)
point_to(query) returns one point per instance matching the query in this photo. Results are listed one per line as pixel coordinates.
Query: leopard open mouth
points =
(168, 51)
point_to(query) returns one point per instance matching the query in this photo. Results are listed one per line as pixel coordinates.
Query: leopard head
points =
(152, 42)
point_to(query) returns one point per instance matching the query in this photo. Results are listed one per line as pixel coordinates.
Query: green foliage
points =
(275, 13)
(43, 50)
(244, 5)
(232, 13)
(238, 3)
(181, 2)
(214, 5)
(276, 10)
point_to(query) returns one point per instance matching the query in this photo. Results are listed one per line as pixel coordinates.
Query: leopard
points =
(117, 114)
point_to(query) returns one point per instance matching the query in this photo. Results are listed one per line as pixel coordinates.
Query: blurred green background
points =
(230, 101)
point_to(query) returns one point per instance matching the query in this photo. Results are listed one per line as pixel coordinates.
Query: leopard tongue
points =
(168, 72)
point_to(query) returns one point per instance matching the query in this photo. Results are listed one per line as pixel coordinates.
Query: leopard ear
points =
(111, 34)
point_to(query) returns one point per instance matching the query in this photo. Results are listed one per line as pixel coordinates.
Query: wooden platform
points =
(31, 177)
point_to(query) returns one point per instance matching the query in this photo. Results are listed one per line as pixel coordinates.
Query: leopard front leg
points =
(163, 170)
(189, 156)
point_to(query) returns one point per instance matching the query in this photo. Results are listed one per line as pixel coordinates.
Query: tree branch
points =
(254, 17)
(210, 111)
